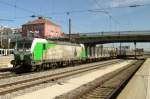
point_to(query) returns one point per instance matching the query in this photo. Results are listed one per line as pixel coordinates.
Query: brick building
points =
(41, 27)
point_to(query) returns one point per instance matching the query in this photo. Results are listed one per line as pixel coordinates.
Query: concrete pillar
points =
(93, 48)
(90, 50)
(96, 52)
(86, 50)
(120, 50)
(135, 49)
(101, 50)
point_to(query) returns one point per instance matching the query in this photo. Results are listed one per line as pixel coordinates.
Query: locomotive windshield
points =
(23, 45)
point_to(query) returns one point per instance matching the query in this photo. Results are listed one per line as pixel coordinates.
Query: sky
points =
(112, 15)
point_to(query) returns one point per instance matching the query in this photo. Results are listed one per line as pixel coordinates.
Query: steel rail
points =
(20, 85)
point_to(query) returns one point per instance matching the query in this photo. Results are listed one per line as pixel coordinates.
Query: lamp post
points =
(9, 45)
(120, 45)
(135, 50)
(69, 25)
(1, 37)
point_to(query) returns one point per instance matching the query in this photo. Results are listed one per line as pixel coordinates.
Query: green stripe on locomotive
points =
(83, 53)
(37, 52)
(40, 48)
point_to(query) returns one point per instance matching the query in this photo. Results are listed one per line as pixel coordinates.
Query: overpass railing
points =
(122, 33)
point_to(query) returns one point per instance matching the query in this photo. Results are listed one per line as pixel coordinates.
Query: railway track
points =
(7, 73)
(20, 85)
(108, 87)
(4, 75)
(5, 69)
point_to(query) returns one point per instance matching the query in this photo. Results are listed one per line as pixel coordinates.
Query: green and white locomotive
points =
(38, 54)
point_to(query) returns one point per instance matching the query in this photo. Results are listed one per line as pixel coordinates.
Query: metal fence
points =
(6, 52)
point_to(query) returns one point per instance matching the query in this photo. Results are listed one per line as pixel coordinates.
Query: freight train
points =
(39, 54)
(125, 53)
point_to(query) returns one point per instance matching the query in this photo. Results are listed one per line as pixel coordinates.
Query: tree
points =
(6, 33)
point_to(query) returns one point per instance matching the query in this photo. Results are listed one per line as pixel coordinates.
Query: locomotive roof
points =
(54, 42)
(50, 41)
(64, 43)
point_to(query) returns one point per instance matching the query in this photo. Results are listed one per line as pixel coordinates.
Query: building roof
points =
(40, 20)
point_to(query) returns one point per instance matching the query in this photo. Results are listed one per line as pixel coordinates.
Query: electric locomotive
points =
(38, 54)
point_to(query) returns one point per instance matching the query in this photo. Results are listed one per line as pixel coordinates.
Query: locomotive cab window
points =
(23, 45)
(27, 45)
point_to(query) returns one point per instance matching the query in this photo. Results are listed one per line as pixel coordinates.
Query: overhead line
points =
(100, 9)
(107, 13)
(15, 6)
(72, 11)
(5, 19)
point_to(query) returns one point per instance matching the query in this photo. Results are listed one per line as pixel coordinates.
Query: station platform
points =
(139, 86)
(58, 89)
(5, 61)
